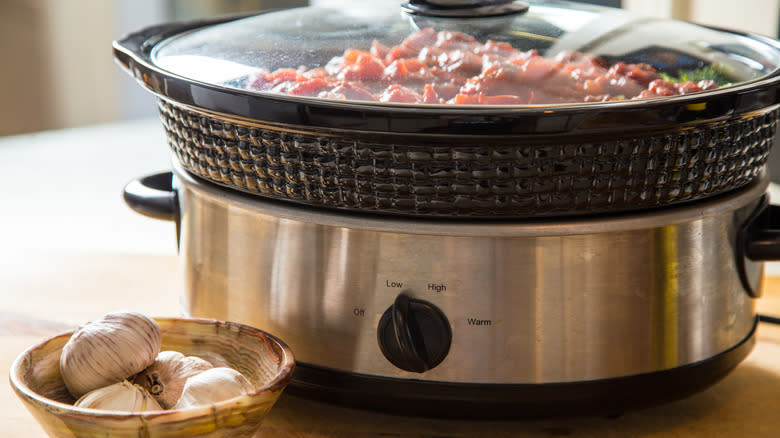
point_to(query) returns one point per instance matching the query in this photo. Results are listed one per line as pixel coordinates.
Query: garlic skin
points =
(109, 350)
(212, 386)
(122, 396)
(165, 378)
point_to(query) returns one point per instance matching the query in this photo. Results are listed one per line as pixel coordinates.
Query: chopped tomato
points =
(353, 91)
(309, 87)
(694, 87)
(408, 69)
(430, 96)
(361, 67)
(399, 52)
(662, 88)
(463, 99)
(284, 75)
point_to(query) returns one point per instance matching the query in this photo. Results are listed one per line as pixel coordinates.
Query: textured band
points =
(507, 178)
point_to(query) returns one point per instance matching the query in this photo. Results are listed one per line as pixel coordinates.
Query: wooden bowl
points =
(265, 361)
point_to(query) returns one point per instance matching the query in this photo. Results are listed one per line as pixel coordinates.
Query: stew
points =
(453, 67)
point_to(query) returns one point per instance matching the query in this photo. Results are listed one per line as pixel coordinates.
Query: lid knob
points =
(464, 8)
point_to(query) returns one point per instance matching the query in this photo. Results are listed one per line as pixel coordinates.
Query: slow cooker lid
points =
(445, 52)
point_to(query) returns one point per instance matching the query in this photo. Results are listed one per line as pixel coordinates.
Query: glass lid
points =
(460, 52)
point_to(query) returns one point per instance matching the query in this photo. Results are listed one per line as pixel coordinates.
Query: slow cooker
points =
(488, 209)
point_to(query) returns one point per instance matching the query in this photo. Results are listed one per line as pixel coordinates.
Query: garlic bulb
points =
(165, 378)
(122, 396)
(211, 386)
(108, 350)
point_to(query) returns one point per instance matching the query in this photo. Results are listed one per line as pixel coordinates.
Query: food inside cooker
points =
(453, 67)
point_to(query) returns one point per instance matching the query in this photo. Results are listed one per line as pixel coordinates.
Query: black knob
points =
(414, 334)
(459, 3)
(464, 8)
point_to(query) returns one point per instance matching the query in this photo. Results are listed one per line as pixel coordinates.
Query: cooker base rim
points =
(603, 397)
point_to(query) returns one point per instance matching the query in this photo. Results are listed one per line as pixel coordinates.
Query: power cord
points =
(769, 319)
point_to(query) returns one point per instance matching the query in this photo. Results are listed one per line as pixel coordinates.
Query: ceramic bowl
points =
(265, 361)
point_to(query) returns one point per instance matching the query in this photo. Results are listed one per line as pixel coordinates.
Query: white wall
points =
(58, 70)
(759, 16)
(130, 16)
(57, 67)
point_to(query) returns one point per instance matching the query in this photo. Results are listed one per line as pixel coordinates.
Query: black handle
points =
(762, 235)
(153, 196)
(758, 239)
(464, 8)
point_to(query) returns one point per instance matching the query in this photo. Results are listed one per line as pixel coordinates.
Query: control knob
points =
(414, 334)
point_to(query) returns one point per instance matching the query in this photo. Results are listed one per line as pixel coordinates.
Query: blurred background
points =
(57, 68)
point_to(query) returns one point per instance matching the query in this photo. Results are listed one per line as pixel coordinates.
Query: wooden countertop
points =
(46, 292)
(73, 252)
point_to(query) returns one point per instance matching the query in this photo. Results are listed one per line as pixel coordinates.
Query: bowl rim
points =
(277, 383)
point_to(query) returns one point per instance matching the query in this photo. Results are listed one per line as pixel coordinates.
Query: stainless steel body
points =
(527, 301)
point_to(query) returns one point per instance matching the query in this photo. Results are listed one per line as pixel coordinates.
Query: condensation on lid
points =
(555, 53)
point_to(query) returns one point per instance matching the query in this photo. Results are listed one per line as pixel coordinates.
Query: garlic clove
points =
(109, 350)
(165, 378)
(212, 386)
(122, 396)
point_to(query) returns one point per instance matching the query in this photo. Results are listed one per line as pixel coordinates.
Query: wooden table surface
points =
(71, 252)
(46, 292)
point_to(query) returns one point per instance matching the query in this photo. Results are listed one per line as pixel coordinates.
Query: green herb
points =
(710, 72)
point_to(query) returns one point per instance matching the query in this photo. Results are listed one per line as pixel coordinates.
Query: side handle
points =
(758, 240)
(762, 240)
(153, 196)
